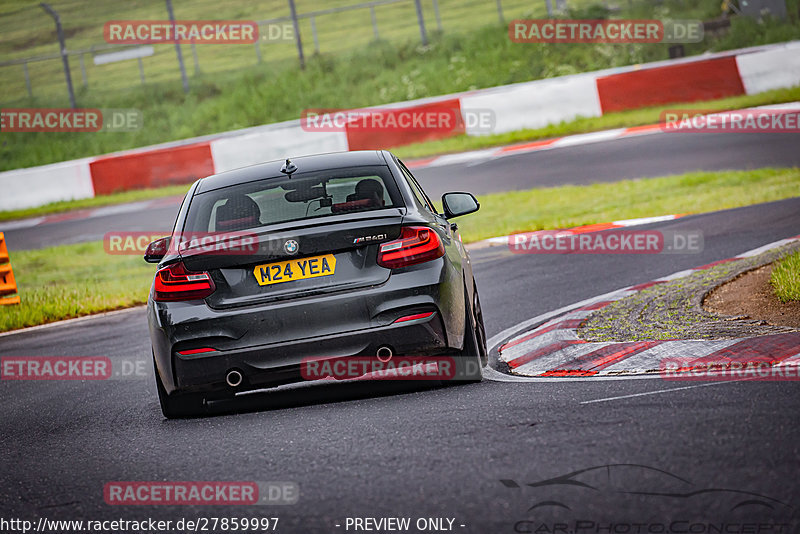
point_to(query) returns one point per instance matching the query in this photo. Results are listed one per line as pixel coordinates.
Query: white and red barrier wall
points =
(524, 105)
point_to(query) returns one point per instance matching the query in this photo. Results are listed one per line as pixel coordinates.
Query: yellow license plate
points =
(292, 270)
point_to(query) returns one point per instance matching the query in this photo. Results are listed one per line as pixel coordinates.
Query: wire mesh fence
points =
(32, 64)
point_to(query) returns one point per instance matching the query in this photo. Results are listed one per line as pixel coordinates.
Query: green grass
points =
(567, 206)
(455, 144)
(27, 31)
(785, 278)
(73, 280)
(473, 52)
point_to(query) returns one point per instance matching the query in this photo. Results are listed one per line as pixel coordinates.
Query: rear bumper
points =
(272, 365)
(253, 339)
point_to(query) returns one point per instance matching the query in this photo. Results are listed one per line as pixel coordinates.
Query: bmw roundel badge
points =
(291, 246)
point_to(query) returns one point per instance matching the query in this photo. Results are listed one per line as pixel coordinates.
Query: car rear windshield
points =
(283, 199)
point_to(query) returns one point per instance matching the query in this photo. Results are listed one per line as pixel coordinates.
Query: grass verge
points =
(457, 144)
(568, 206)
(72, 280)
(785, 278)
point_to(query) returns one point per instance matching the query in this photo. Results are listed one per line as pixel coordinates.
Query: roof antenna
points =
(288, 168)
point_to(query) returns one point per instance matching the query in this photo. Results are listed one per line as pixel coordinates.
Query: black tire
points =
(480, 330)
(177, 405)
(469, 361)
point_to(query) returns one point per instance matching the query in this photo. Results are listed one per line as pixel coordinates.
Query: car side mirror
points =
(457, 204)
(156, 250)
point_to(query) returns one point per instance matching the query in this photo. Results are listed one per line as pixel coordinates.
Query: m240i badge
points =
(368, 238)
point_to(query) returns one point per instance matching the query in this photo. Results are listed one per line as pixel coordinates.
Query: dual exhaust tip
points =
(234, 377)
(384, 353)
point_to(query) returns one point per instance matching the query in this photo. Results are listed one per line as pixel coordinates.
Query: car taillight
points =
(417, 244)
(176, 283)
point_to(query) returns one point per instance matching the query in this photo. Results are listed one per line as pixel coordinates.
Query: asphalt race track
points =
(634, 157)
(651, 155)
(669, 454)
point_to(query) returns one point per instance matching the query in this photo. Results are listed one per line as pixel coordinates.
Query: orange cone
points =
(8, 285)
